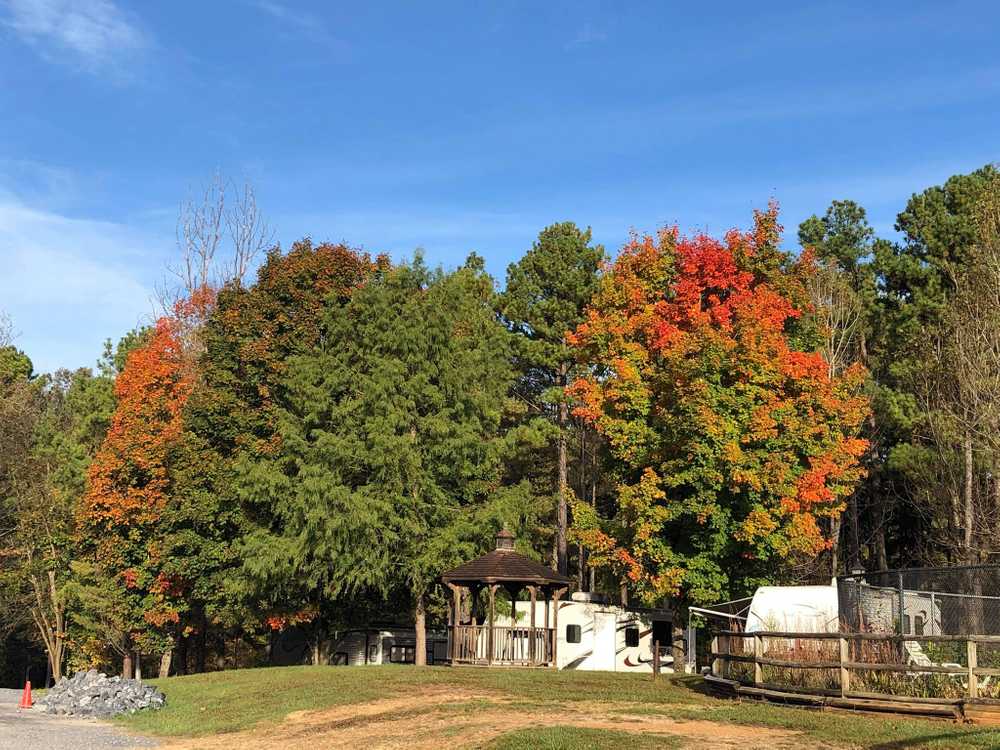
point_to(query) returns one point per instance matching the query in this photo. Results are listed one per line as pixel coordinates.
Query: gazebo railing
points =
(514, 646)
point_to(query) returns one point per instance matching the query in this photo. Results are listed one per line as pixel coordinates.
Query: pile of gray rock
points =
(93, 693)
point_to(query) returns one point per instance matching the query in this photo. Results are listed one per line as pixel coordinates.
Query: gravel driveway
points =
(22, 730)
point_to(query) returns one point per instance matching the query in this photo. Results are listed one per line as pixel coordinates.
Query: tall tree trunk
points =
(593, 502)
(165, 659)
(127, 671)
(835, 526)
(855, 532)
(677, 642)
(201, 645)
(48, 614)
(420, 625)
(319, 643)
(180, 663)
(970, 555)
(880, 552)
(881, 557)
(563, 513)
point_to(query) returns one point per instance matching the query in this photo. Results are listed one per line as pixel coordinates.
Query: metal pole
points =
(692, 652)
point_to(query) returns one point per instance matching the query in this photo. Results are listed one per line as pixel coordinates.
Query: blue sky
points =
(455, 127)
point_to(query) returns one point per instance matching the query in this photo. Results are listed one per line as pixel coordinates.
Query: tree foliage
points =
(545, 297)
(730, 437)
(129, 488)
(390, 456)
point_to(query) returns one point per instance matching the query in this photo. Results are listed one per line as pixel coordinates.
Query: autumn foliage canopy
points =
(130, 483)
(734, 443)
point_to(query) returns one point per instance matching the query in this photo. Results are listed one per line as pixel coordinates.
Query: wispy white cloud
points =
(70, 283)
(301, 22)
(93, 35)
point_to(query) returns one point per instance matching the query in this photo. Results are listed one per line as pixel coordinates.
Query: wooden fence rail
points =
(844, 654)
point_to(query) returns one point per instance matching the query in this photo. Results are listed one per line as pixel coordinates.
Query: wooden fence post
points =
(845, 673)
(972, 659)
(758, 653)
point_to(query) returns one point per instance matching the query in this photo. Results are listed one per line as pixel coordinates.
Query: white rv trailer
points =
(386, 645)
(794, 609)
(377, 644)
(595, 635)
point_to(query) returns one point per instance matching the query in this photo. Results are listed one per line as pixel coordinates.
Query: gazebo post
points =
(456, 620)
(490, 635)
(546, 657)
(531, 630)
(474, 631)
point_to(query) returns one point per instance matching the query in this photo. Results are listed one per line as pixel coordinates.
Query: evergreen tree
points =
(545, 297)
(391, 453)
(230, 418)
(846, 302)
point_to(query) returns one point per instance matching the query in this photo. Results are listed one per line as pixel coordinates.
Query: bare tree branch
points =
(220, 233)
(249, 232)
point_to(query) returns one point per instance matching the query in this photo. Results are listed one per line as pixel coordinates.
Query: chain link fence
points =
(922, 601)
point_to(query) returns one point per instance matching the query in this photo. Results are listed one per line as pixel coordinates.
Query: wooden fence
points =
(932, 674)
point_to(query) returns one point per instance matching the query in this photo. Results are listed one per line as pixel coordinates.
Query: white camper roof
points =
(798, 609)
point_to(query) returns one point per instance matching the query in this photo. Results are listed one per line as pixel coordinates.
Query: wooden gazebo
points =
(488, 644)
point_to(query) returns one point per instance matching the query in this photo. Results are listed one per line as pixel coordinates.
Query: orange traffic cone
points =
(26, 696)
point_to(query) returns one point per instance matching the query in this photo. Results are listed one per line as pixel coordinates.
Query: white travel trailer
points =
(794, 609)
(386, 645)
(376, 644)
(594, 635)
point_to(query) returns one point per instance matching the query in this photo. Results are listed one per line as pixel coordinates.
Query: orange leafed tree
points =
(129, 486)
(732, 444)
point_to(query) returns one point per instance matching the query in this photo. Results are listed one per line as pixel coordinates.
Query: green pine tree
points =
(391, 455)
(546, 294)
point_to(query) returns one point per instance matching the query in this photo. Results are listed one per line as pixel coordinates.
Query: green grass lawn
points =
(570, 738)
(219, 702)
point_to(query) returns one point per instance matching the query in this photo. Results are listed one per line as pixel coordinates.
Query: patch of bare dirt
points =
(468, 719)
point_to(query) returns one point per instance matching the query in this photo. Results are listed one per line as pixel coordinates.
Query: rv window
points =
(661, 632)
(631, 637)
(918, 625)
(572, 634)
(402, 654)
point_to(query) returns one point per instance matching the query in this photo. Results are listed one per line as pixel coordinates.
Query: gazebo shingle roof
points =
(503, 565)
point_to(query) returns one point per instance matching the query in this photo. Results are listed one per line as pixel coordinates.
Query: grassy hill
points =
(400, 706)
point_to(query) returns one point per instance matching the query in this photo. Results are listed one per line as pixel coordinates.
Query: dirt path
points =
(468, 719)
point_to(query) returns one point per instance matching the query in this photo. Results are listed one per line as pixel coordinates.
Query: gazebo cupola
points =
(528, 645)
